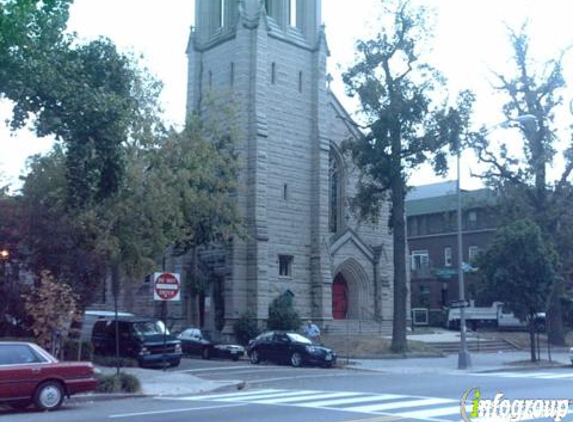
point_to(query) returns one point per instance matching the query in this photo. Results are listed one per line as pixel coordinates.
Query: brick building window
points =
(285, 265)
(420, 260)
(448, 256)
(473, 252)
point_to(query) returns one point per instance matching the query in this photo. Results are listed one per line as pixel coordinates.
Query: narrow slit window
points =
(210, 79)
(292, 13)
(285, 192)
(232, 76)
(273, 73)
(300, 81)
(223, 12)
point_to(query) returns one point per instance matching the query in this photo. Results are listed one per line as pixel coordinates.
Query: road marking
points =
(160, 412)
(540, 375)
(308, 397)
(271, 397)
(431, 413)
(351, 400)
(400, 405)
(218, 368)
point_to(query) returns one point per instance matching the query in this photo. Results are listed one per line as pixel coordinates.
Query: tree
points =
(29, 30)
(282, 315)
(522, 179)
(405, 127)
(51, 308)
(518, 269)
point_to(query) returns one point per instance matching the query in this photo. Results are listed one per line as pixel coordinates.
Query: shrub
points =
(282, 315)
(72, 352)
(118, 383)
(246, 328)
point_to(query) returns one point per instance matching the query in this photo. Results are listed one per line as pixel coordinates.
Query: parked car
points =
(195, 342)
(145, 339)
(288, 347)
(29, 374)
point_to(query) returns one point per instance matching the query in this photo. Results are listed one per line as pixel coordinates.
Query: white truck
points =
(495, 316)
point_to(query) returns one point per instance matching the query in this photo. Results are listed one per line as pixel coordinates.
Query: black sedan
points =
(290, 348)
(194, 342)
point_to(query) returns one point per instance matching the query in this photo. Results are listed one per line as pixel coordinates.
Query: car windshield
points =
(298, 338)
(149, 328)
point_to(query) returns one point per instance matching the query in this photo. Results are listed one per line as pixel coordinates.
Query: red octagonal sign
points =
(166, 286)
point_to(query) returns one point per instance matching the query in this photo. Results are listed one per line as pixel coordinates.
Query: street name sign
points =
(459, 304)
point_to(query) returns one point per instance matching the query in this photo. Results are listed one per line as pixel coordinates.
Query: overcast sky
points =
(470, 41)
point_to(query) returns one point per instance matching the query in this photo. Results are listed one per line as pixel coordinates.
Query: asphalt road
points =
(284, 394)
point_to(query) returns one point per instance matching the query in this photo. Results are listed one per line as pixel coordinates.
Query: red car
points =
(29, 374)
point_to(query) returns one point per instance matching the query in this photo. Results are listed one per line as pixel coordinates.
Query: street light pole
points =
(464, 358)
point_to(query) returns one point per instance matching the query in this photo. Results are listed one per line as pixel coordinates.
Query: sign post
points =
(166, 288)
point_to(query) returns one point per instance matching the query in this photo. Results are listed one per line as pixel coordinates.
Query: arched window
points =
(335, 192)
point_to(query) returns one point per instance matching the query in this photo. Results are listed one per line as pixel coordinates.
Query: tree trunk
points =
(399, 341)
(532, 339)
(556, 333)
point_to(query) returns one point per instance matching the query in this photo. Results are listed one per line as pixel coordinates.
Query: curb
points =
(97, 397)
(392, 356)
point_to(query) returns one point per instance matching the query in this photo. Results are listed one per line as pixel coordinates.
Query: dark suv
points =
(139, 338)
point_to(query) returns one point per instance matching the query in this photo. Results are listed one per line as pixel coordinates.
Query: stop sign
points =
(166, 286)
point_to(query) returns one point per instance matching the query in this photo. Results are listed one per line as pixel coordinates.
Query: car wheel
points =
(19, 405)
(49, 396)
(206, 353)
(175, 363)
(255, 358)
(296, 359)
(235, 358)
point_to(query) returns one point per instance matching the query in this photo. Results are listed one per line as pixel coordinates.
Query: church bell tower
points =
(269, 58)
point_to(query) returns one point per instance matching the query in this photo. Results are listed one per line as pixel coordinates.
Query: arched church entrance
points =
(351, 296)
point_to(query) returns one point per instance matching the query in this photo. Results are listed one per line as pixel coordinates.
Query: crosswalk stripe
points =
(351, 400)
(270, 397)
(555, 376)
(431, 413)
(399, 405)
(305, 398)
(242, 393)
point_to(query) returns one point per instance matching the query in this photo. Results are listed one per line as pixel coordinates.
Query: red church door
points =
(339, 300)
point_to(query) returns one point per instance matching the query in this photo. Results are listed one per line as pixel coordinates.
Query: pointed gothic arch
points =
(336, 190)
(359, 291)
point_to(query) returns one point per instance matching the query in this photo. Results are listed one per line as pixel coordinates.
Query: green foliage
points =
(519, 269)
(246, 328)
(72, 350)
(282, 315)
(118, 383)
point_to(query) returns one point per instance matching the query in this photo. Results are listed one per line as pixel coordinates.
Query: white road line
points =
(351, 400)
(159, 412)
(555, 376)
(305, 398)
(514, 374)
(218, 368)
(431, 413)
(271, 397)
(399, 405)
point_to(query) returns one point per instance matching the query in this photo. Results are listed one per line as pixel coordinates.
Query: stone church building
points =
(270, 56)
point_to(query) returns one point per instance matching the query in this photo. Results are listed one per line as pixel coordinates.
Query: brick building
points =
(432, 241)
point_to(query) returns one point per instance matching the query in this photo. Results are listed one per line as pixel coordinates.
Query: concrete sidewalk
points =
(155, 382)
(480, 362)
